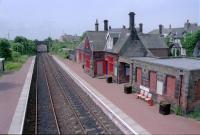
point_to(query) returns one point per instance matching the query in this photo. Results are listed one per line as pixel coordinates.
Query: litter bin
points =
(164, 108)
(109, 79)
(127, 89)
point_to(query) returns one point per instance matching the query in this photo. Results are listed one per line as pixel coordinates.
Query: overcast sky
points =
(42, 18)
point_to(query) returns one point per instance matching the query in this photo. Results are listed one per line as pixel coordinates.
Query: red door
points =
(80, 57)
(139, 76)
(198, 90)
(171, 85)
(87, 62)
(110, 65)
(153, 81)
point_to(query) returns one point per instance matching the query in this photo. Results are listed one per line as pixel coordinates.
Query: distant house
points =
(175, 49)
(196, 52)
(175, 35)
(71, 38)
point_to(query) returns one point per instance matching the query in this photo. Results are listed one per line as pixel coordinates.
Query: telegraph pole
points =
(8, 36)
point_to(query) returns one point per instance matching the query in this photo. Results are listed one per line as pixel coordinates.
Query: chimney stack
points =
(131, 20)
(160, 29)
(187, 25)
(105, 25)
(141, 28)
(96, 25)
(132, 24)
(170, 26)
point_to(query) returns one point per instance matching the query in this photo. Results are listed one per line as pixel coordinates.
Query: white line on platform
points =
(17, 123)
(137, 128)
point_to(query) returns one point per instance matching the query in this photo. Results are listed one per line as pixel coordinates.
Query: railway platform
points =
(12, 88)
(145, 118)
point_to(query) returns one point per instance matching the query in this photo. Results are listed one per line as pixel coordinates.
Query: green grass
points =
(15, 64)
(195, 114)
(10, 66)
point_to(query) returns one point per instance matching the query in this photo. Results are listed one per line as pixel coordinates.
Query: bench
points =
(146, 96)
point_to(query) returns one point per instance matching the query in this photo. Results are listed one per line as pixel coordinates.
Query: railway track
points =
(46, 121)
(66, 108)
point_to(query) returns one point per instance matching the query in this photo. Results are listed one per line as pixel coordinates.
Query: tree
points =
(5, 51)
(17, 47)
(48, 42)
(190, 41)
(28, 46)
(23, 41)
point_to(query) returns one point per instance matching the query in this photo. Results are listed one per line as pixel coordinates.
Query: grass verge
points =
(15, 64)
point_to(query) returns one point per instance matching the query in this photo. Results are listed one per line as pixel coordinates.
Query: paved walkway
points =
(10, 89)
(146, 116)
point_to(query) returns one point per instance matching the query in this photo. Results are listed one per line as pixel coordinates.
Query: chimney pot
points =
(141, 27)
(124, 27)
(96, 25)
(105, 25)
(131, 20)
(132, 24)
(160, 29)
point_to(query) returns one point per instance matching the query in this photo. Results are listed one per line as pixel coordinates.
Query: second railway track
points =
(66, 108)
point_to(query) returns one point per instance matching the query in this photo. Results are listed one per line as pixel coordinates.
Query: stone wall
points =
(164, 71)
(160, 52)
(193, 96)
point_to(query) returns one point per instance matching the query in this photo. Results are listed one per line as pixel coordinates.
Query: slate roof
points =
(97, 40)
(122, 38)
(180, 63)
(127, 47)
(152, 41)
(177, 32)
(138, 47)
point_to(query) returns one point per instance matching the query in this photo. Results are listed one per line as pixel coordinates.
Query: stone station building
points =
(176, 80)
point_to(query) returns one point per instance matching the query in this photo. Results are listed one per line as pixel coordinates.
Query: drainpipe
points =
(180, 90)
(131, 74)
(118, 69)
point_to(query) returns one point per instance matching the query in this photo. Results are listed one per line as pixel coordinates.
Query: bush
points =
(16, 56)
(9, 66)
(195, 114)
(5, 51)
(178, 110)
(190, 41)
(23, 58)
